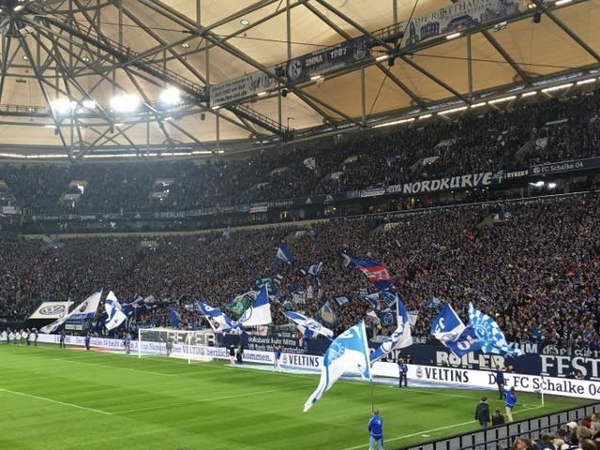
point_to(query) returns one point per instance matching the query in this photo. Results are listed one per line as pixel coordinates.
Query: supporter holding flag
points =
(349, 352)
(310, 328)
(284, 255)
(452, 332)
(400, 338)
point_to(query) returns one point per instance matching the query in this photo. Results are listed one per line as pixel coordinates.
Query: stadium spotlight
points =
(63, 106)
(170, 96)
(124, 103)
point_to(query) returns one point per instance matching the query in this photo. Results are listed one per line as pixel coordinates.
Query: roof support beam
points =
(511, 62)
(542, 7)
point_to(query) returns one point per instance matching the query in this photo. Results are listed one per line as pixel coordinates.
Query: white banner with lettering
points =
(447, 375)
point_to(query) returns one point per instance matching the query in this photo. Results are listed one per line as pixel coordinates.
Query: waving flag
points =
(400, 338)
(315, 270)
(327, 314)
(217, 320)
(372, 300)
(115, 313)
(174, 317)
(490, 336)
(310, 163)
(259, 312)
(242, 302)
(349, 352)
(452, 332)
(284, 254)
(85, 310)
(376, 272)
(310, 328)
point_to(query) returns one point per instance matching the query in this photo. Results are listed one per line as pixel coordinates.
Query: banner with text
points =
(456, 17)
(241, 88)
(320, 62)
(565, 166)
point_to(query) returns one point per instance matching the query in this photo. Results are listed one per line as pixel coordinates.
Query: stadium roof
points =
(258, 73)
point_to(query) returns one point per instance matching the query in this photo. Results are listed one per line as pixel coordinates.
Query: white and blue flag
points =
(452, 332)
(259, 313)
(310, 328)
(218, 321)
(315, 269)
(490, 336)
(349, 352)
(84, 311)
(400, 338)
(284, 254)
(116, 316)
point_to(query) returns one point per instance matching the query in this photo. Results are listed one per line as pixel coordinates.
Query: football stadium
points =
(330, 225)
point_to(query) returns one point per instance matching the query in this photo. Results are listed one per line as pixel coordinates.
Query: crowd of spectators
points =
(583, 434)
(525, 271)
(538, 131)
(535, 271)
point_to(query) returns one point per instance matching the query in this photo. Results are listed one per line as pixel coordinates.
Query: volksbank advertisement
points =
(429, 374)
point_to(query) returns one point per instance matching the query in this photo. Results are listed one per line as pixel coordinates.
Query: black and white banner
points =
(319, 63)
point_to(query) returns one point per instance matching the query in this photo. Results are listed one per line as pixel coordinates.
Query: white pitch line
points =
(58, 402)
(420, 433)
(202, 400)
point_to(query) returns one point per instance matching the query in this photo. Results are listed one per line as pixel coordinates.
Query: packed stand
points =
(529, 133)
(526, 270)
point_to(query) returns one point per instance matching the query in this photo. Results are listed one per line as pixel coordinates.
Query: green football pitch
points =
(70, 399)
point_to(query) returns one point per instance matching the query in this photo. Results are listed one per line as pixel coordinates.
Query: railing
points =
(503, 436)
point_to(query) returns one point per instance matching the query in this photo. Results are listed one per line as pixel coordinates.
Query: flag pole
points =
(372, 395)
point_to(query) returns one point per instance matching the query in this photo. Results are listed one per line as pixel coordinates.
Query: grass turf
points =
(70, 399)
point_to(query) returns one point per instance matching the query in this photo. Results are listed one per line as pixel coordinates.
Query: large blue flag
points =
(400, 338)
(349, 352)
(310, 328)
(452, 332)
(490, 336)
(284, 254)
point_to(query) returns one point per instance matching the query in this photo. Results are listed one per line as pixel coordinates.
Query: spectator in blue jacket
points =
(510, 401)
(376, 431)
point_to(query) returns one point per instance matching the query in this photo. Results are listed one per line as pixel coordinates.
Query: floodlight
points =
(63, 105)
(125, 103)
(170, 96)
